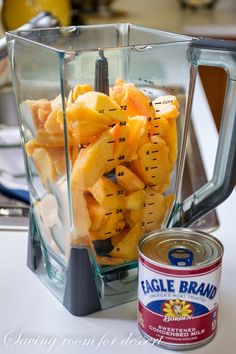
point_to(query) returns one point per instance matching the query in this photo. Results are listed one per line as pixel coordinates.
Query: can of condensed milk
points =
(178, 287)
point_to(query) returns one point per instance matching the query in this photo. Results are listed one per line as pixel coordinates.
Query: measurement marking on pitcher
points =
(153, 168)
(107, 233)
(111, 141)
(110, 160)
(151, 203)
(109, 195)
(154, 151)
(112, 109)
(111, 125)
(108, 213)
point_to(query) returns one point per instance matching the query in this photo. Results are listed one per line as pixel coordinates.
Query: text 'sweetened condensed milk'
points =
(178, 287)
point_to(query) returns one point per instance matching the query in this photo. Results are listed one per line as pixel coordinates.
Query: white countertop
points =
(33, 321)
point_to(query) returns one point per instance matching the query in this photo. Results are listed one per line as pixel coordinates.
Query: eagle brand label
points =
(177, 309)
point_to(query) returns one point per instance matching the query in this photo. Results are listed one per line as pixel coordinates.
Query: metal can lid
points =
(181, 248)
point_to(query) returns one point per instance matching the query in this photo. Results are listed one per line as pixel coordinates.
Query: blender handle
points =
(218, 53)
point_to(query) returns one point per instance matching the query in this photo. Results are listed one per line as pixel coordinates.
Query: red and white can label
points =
(177, 306)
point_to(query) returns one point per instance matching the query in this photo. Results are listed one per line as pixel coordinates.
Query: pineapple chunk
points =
(43, 138)
(102, 104)
(128, 180)
(127, 247)
(133, 216)
(107, 193)
(93, 161)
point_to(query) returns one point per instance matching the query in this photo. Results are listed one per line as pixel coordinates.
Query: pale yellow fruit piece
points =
(44, 165)
(134, 200)
(128, 179)
(92, 161)
(127, 247)
(154, 210)
(102, 104)
(74, 152)
(77, 91)
(81, 218)
(52, 126)
(138, 132)
(107, 193)
(152, 164)
(97, 213)
(163, 187)
(84, 123)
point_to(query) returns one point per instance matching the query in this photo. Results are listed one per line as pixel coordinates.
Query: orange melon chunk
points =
(114, 225)
(107, 193)
(81, 218)
(93, 161)
(134, 200)
(102, 104)
(44, 165)
(77, 91)
(152, 164)
(127, 247)
(97, 213)
(138, 135)
(84, 123)
(128, 180)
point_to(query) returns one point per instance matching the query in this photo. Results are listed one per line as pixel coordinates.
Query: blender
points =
(104, 113)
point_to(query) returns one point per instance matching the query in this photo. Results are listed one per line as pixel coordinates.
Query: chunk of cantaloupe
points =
(128, 180)
(102, 104)
(40, 110)
(81, 217)
(107, 194)
(134, 200)
(138, 135)
(93, 161)
(97, 213)
(44, 165)
(133, 102)
(52, 126)
(77, 91)
(84, 123)
(170, 136)
(127, 247)
(114, 224)
(44, 138)
(166, 106)
(152, 164)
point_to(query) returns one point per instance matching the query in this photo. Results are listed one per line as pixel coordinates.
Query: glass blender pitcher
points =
(104, 114)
